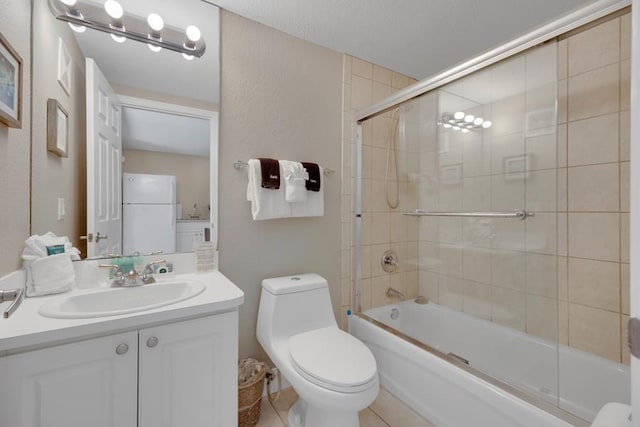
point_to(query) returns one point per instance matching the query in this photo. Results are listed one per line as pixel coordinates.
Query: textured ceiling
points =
(415, 37)
(167, 133)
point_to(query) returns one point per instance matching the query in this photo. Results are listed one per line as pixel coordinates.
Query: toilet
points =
(334, 373)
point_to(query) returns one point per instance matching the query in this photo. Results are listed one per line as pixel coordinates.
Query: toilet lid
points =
(333, 359)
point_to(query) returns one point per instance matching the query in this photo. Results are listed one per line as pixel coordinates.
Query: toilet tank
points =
(294, 304)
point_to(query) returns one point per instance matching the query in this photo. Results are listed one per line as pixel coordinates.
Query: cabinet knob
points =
(152, 342)
(122, 349)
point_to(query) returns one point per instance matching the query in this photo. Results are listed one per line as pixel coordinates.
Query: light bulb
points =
(69, 3)
(155, 22)
(187, 57)
(118, 39)
(459, 115)
(486, 124)
(446, 125)
(193, 33)
(456, 128)
(113, 9)
(468, 118)
(478, 121)
(78, 28)
(465, 130)
(154, 48)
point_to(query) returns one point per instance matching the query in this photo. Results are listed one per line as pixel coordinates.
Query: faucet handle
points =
(118, 274)
(147, 273)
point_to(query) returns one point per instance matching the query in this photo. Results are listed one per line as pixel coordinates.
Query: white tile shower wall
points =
(383, 228)
(563, 274)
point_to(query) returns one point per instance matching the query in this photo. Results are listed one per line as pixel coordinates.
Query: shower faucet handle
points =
(389, 261)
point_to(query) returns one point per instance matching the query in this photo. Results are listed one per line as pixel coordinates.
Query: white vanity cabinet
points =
(81, 384)
(188, 373)
(172, 375)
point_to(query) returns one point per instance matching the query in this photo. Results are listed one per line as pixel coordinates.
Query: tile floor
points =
(386, 411)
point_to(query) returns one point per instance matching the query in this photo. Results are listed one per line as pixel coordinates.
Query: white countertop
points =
(26, 329)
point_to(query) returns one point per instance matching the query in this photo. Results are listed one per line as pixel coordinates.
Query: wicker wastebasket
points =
(250, 386)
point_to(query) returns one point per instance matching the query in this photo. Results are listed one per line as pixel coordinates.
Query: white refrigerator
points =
(148, 213)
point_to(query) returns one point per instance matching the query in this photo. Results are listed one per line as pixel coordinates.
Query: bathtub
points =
(449, 394)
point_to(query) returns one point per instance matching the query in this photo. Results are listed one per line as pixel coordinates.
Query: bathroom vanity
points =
(169, 366)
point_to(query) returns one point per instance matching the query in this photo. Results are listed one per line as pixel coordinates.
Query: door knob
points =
(100, 237)
(122, 349)
(88, 237)
(152, 342)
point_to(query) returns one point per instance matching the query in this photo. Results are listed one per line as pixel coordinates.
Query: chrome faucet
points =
(392, 293)
(118, 274)
(15, 295)
(147, 273)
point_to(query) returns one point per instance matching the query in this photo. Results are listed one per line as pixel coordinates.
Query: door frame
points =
(213, 117)
(634, 214)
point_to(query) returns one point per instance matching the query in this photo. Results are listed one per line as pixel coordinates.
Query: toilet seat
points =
(333, 359)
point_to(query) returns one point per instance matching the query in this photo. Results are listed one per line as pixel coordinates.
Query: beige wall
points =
(192, 175)
(55, 177)
(281, 98)
(15, 144)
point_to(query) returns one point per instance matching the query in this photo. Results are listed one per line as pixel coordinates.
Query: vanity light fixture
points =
(463, 122)
(110, 17)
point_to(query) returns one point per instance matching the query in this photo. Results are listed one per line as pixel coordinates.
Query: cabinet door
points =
(74, 385)
(188, 373)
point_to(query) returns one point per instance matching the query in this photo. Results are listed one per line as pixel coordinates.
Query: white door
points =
(90, 383)
(104, 165)
(188, 373)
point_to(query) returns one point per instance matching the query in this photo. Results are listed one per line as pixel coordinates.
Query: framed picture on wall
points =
(10, 85)
(64, 66)
(57, 129)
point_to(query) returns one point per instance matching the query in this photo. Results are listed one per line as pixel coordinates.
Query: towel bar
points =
(517, 213)
(241, 164)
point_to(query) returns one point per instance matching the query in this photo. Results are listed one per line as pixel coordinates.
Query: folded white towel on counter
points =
(266, 203)
(314, 206)
(50, 275)
(295, 177)
(47, 261)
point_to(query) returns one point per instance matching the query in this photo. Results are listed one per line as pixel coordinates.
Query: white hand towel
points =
(50, 275)
(314, 206)
(265, 203)
(295, 176)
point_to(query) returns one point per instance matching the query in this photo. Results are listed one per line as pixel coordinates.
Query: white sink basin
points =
(117, 301)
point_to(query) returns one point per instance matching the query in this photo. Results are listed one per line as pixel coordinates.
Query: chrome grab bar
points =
(517, 213)
(15, 295)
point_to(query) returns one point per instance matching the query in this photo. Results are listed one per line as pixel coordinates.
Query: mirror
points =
(165, 110)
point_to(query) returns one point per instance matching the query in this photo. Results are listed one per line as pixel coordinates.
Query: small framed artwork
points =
(516, 167)
(10, 85)
(57, 129)
(64, 66)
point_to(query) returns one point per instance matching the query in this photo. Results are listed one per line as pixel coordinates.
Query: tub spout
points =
(392, 293)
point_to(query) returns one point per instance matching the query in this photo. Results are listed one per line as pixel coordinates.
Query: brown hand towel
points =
(270, 169)
(313, 184)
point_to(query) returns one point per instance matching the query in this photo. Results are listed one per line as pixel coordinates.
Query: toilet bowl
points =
(334, 374)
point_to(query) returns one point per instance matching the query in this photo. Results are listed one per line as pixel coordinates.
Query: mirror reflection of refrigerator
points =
(148, 213)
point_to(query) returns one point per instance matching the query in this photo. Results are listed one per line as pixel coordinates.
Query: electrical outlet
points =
(61, 209)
